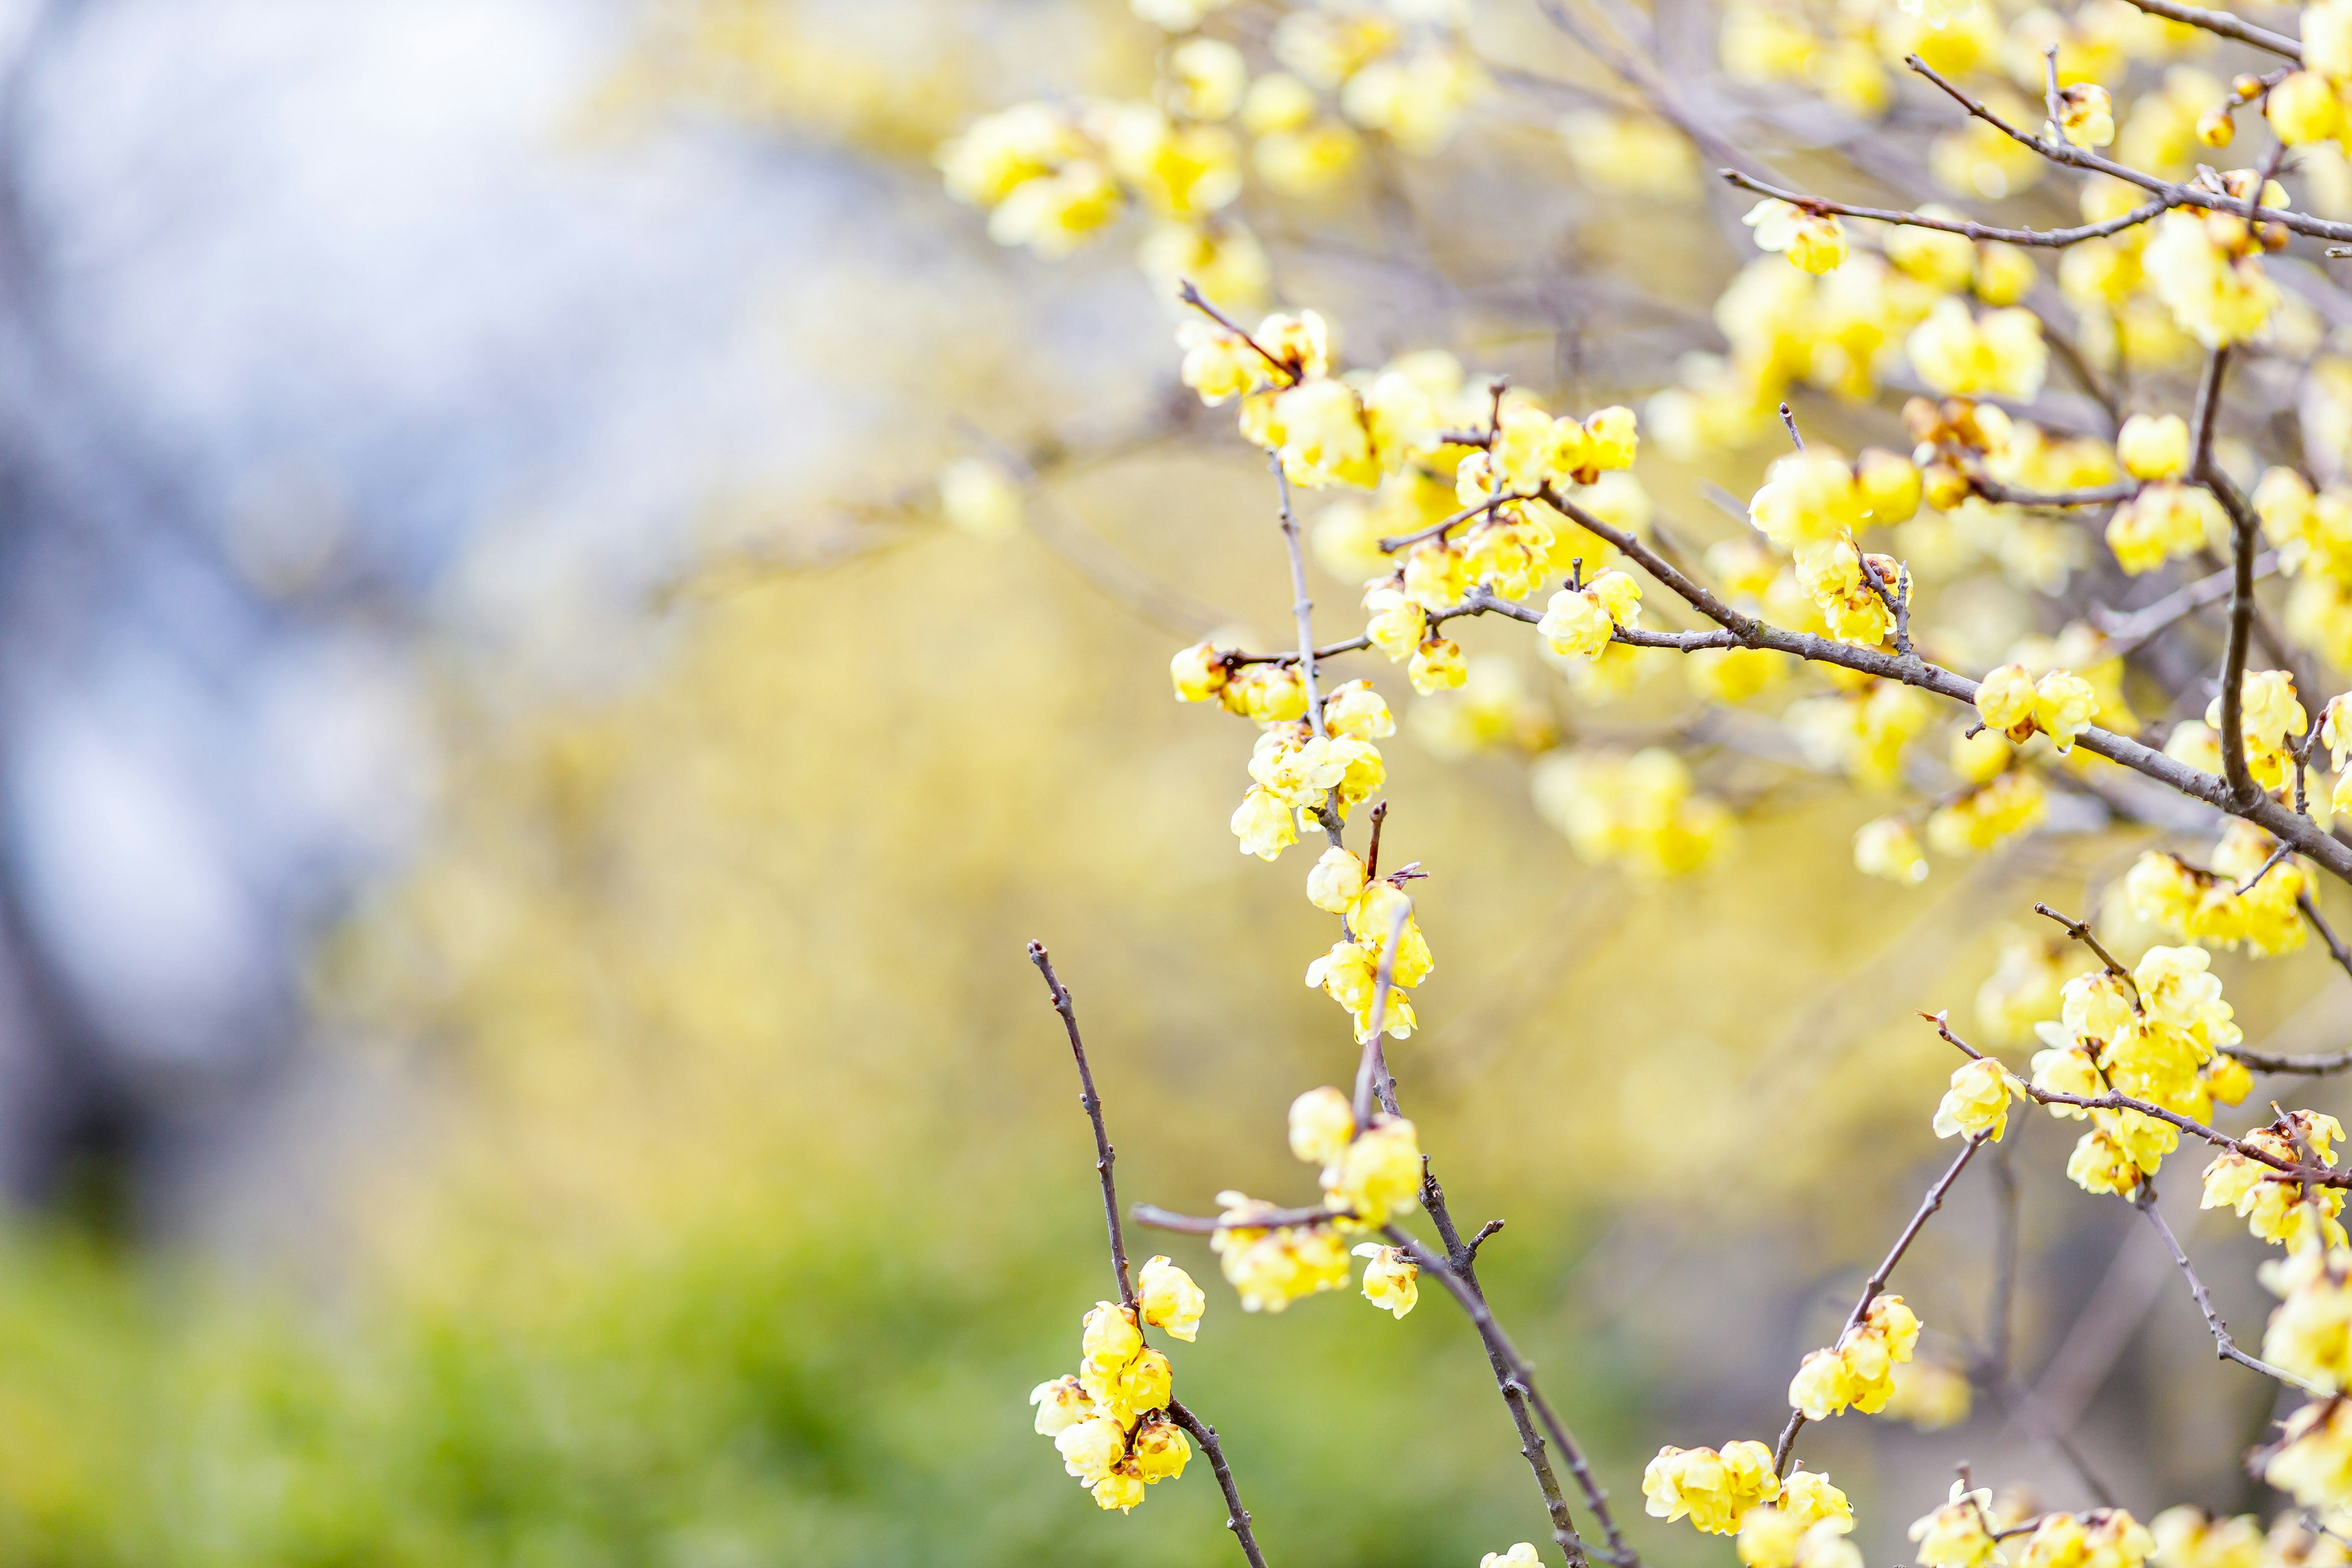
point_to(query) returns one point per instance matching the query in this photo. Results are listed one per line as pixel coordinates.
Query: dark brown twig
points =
(2224, 1347)
(1871, 1287)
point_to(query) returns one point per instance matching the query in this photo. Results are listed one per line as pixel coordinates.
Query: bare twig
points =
(1871, 1287)
(2056, 239)
(1373, 1085)
(2127, 630)
(2226, 1348)
(2225, 25)
(2088, 938)
(1092, 1102)
(2336, 949)
(1238, 1518)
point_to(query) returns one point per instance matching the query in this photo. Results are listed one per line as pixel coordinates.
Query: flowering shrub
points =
(2148, 389)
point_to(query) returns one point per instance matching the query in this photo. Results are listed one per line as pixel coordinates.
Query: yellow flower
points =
(2274, 1207)
(1956, 1535)
(1579, 623)
(1206, 79)
(1170, 1300)
(979, 498)
(1522, 1554)
(1265, 825)
(1929, 1396)
(2204, 273)
(1889, 486)
(1392, 1279)
(1161, 1452)
(2303, 108)
(2064, 706)
(1813, 242)
(1198, 672)
(2104, 1538)
(2086, 115)
(1271, 1266)
(1321, 1125)
(1269, 693)
(1378, 1174)
(1961, 355)
(1713, 1489)
(2010, 805)
(1437, 666)
(1612, 437)
(2005, 701)
(1061, 1404)
(1357, 712)
(2311, 1460)
(1859, 1369)
(1336, 881)
(1806, 497)
(2005, 274)
(1888, 848)
(2164, 522)
(2154, 447)
(1089, 1447)
(2310, 1334)
(1120, 1490)
(1977, 1100)
(2270, 714)
(2102, 1164)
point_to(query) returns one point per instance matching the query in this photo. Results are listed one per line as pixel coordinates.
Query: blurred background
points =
(521, 817)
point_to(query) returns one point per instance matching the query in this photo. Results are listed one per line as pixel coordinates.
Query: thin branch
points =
(1748, 631)
(2308, 1066)
(2090, 939)
(1209, 1224)
(2054, 238)
(1087, 1098)
(1438, 530)
(2172, 195)
(2224, 1347)
(1999, 1313)
(1192, 296)
(2127, 630)
(1511, 1366)
(2224, 23)
(2245, 544)
(2310, 1175)
(2336, 949)
(2053, 501)
(1373, 1085)
(1238, 1518)
(1871, 1287)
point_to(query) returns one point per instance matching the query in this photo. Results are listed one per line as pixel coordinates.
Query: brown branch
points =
(1395, 543)
(2172, 194)
(1518, 1380)
(1373, 1085)
(1192, 296)
(2310, 1175)
(1746, 631)
(2336, 949)
(1878, 1282)
(2055, 501)
(1238, 1518)
(2126, 630)
(2090, 939)
(2056, 238)
(2224, 23)
(1207, 1225)
(1087, 1098)
(2224, 1347)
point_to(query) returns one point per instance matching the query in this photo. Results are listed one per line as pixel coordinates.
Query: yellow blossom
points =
(1089, 1447)
(2064, 706)
(1391, 1279)
(1886, 846)
(2005, 701)
(1170, 1300)
(1321, 1125)
(2086, 115)
(1061, 1404)
(2311, 1460)
(1714, 1490)
(1159, 1451)
(2310, 1334)
(1378, 1174)
(1958, 1535)
(1813, 242)
(1437, 666)
(1977, 1100)
(2153, 447)
(1336, 881)
(1929, 1396)
(1206, 79)
(1958, 354)
(1271, 1266)
(1197, 672)
(2164, 522)
(1265, 825)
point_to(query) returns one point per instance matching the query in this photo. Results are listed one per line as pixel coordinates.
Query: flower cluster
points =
(1374, 914)
(1642, 812)
(2103, 1538)
(1976, 1103)
(1713, 1489)
(2270, 718)
(1859, 1370)
(1269, 1267)
(2312, 532)
(1805, 1526)
(1369, 1173)
(2276, 1206)
(2241, 898)
(2155, 1034)
(2059, 705)
(1961, 1534)
(2310, 1334)
(1110, 1421)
